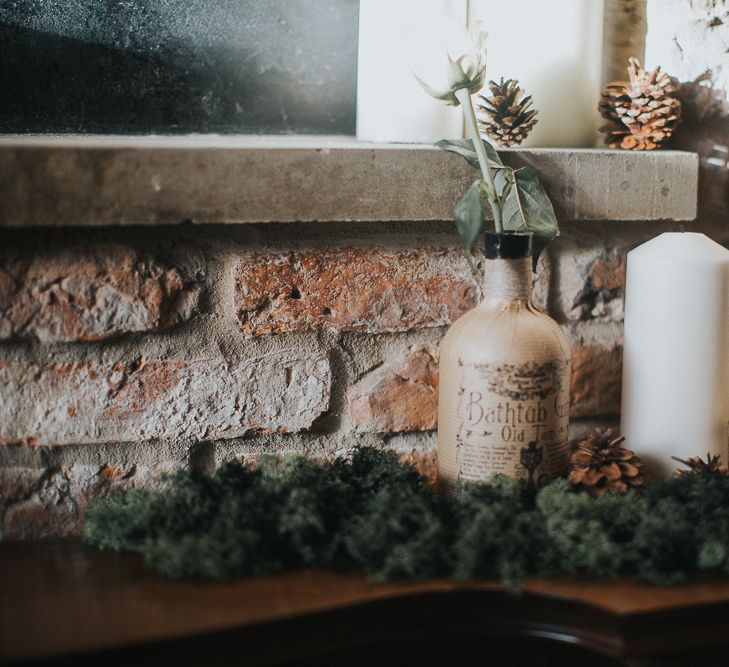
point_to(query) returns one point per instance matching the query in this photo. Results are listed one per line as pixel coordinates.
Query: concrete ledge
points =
(65, 181)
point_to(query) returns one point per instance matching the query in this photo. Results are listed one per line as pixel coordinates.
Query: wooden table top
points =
(62, 601)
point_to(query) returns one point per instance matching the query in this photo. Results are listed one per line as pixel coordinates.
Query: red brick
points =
(593, 284)
(608, 272)
(426, 463)
(352, 289)
(596, 380)
(61, 404)
(401, 395)
(88, 293)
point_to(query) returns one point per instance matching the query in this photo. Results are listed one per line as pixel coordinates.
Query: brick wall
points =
(130, 353)
(127, 354)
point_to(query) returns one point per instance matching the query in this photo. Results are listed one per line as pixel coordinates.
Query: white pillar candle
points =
(394, 38)
(554, 49)
(676, 354)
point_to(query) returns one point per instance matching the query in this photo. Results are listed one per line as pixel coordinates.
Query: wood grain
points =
(61, 603)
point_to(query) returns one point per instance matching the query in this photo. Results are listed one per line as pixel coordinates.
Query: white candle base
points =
(675, 397)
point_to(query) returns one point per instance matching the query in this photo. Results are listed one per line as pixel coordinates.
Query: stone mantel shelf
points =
(102, 180)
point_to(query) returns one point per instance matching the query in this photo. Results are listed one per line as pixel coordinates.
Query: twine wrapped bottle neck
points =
(508, 279)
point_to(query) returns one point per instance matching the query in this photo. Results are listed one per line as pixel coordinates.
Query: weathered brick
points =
(352, 289)
(426, 463)
(603, 294)
(64, 404)
(51, 502)
(88, 293)
(591, 283)
(608, 273)
(542, 280)
(401, 395)
(596, 380)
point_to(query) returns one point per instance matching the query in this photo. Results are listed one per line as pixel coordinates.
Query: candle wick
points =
(681, 229)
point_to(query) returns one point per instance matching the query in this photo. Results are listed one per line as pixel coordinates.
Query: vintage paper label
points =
(513, 419)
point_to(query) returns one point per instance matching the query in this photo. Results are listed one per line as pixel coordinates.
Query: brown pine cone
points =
(643, 113)
(697, 466)
(506, 118)
(600, 463)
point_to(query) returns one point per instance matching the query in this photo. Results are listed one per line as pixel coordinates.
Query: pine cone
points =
(505, 117)
(600, 463)
(697, 466)
(643, 113)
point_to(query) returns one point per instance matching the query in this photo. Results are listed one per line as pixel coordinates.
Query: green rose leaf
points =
(528, 209)
(525, 205)
(464, 148)
(504, 182)
(469, 216)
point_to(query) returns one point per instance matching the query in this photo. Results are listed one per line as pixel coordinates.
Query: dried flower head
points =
(464, 64)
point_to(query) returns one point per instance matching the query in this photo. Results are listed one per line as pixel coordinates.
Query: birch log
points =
(623, 37)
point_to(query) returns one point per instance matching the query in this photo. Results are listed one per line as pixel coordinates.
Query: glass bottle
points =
(504, 379)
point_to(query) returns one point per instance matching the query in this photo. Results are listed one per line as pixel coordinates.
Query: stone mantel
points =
(99, 181)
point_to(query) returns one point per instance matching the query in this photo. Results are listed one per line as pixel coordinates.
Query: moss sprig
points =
(375, 513)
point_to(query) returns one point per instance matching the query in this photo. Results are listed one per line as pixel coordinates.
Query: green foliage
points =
(685, 527)
(498, 535)
(527, 208)
(586, 534)
(373, 512)
(400, 534)
(464, 148)
(524, 204)
(119, 522)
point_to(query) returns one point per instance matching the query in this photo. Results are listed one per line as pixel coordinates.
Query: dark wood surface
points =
(61, 603)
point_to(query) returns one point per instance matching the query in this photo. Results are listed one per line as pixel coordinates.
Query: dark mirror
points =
(178, 66)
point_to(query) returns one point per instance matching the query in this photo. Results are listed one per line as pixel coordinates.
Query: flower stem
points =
(464, 97)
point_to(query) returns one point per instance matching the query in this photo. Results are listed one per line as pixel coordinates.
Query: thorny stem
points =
(464, 97)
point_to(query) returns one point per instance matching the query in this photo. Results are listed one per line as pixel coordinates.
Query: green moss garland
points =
(374, 512)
